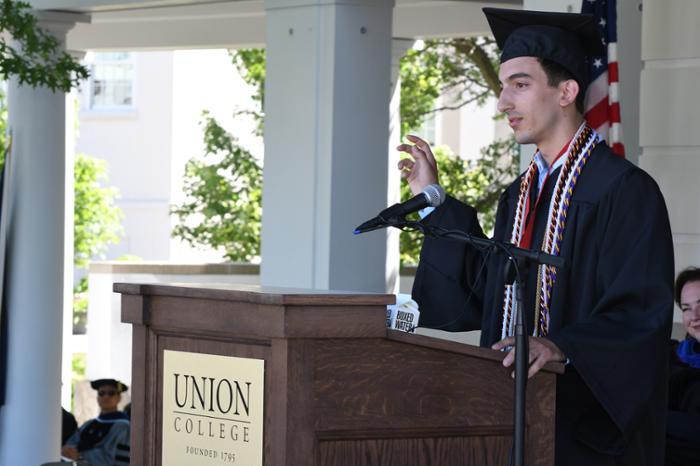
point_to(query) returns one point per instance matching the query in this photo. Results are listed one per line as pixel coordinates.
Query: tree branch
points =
(481, 60)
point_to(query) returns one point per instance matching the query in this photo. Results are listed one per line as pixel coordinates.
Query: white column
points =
(399, 47)
(30, 420)
(669, 136)
(68, 280)
(629, 51)
(326, 132)
(567, 6)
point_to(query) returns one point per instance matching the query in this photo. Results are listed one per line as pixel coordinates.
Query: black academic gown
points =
(683, 424)
(611, 306)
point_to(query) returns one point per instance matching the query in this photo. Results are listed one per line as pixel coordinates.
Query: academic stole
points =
(577, 155)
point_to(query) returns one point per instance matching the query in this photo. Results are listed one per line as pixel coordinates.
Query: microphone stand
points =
(518, 258)
(522, 352)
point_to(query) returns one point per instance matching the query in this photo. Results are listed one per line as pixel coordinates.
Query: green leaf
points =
(461, 70)
(223, 208)
(38, 60)
(97, 219)
(478, 183)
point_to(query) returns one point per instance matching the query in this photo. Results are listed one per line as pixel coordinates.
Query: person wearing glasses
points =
(105, 440)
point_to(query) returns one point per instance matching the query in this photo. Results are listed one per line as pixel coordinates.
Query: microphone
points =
(432, 196)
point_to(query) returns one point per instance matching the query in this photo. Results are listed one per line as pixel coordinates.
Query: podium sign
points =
(212, 409)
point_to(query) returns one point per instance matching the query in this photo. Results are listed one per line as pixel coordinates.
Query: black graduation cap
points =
(564, 38)
(99, 383)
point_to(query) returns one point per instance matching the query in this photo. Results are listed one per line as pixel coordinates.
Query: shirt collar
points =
(544, 169)
(542, 165)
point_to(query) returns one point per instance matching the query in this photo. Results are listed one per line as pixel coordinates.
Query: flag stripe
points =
(613, 92)
(597, 90)
(603, 94)
(598, 114)
(614, 112)
(618, 149)
(615, 132)
(613, 76)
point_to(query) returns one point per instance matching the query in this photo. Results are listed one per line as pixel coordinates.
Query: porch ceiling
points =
(181, 24)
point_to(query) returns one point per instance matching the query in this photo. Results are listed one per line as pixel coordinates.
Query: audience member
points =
(683, 427)
(68, 425)
(105, 440)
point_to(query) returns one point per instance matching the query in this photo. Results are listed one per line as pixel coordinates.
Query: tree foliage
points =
(97, 219)
(223, 208)
(250, 63)
(477, 182)
(224, 197)
(461, 71)
(97, 224)
(35, 57)
(224, 188)
(3, 127)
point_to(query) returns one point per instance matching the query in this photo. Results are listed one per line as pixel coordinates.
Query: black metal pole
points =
(515, 275)
(521, 368)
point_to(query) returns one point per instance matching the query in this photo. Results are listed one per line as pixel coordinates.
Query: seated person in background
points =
(68, 425)
(105, 440)
(683, 427)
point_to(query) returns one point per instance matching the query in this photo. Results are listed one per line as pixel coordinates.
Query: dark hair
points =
(691, 274)
(556, 74)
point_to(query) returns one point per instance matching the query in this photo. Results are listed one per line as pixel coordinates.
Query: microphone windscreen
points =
(435, 195)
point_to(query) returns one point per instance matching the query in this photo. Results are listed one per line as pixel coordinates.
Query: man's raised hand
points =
(422, 169)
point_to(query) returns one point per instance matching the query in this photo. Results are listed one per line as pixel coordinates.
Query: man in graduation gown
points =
(105, 440)
(607, 314)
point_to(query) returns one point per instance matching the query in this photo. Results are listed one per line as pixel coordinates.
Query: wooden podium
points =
(340, 389)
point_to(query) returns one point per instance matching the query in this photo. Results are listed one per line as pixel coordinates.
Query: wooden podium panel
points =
(340, 389)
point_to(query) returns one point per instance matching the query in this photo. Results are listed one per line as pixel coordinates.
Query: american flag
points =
(602, 108)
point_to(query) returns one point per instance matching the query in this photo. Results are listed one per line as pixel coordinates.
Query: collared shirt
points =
(425, 212)
(543, 170)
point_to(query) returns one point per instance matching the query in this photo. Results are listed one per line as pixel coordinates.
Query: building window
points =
(112, 81)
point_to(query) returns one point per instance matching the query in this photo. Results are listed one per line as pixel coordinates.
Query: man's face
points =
(531, 104)
(690, 305)
(108, 398)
